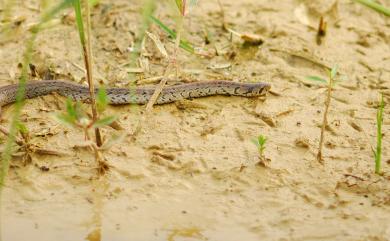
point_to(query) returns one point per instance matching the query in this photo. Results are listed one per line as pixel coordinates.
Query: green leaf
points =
(70, 109)
(183, 43)
(376, 6)
(256, 142)
(101, 100)
(262, 140)
(65, 119)
(22, 127)
(79, 21)
(104, 121)
(316, 78)
(333, 71)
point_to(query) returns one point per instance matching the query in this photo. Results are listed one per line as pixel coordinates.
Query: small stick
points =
(158, 89)
(321, 32)
(325, 119)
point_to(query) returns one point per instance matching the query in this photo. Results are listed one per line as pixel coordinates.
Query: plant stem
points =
(87, 53)
(325, 118)
(90, 79)
(378, 153)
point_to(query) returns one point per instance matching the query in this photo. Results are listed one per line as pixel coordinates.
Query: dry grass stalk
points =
(325, 119)
(88, 64)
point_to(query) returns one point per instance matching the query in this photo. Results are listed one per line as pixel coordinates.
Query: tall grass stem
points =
(379, 121)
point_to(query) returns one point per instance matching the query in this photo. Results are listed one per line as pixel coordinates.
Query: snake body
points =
(135, 95)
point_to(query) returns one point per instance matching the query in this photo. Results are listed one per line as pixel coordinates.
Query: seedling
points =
(76, 117)
(260, 144)
(378, 152)
(330, 83)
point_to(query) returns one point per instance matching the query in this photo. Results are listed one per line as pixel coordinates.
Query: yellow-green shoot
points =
(76, 117)
(260, 144)
(330, 83)
(379, 121)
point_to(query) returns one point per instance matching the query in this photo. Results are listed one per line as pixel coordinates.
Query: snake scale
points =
(135, 95)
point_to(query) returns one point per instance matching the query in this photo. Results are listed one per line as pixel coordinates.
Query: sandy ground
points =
(191, 172)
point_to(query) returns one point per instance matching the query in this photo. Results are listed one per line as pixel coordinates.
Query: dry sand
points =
(191, 171)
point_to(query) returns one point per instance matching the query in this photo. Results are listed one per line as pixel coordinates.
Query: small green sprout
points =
(378, 152)
(332, 75)
(22, 128)
(330, 83)
(260, 143)
(76, 117)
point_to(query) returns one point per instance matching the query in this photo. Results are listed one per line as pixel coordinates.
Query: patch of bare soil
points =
(190, 171)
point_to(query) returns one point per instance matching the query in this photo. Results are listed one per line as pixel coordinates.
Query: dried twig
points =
(325, 118)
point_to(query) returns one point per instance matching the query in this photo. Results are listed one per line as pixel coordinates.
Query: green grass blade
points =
(104, 121)
(71, 111)
(376, 6)
(6, 155)
(316, 78)
(65, 119)
(333, 71)
(22, 128)
(183, 43)
(256, 142)
(101, 100)
(79, 21)
(379, 121)
(181, 6)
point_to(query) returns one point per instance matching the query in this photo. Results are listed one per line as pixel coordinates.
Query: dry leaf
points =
(249, 38)
(134, 70)
(158, 43)
(220, 66)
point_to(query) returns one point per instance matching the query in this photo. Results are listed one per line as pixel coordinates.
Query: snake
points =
(135, 95)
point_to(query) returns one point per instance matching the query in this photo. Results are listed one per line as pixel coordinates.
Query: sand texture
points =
(189, 170)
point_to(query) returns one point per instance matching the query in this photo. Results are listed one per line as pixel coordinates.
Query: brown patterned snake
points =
(136, 95)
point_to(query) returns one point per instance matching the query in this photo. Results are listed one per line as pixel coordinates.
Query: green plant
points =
(15, 122)
(379, 121)
(260, 144)
(330, 83)
(76, 117)
(182, 5)
(376, 6)
(87, 53)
